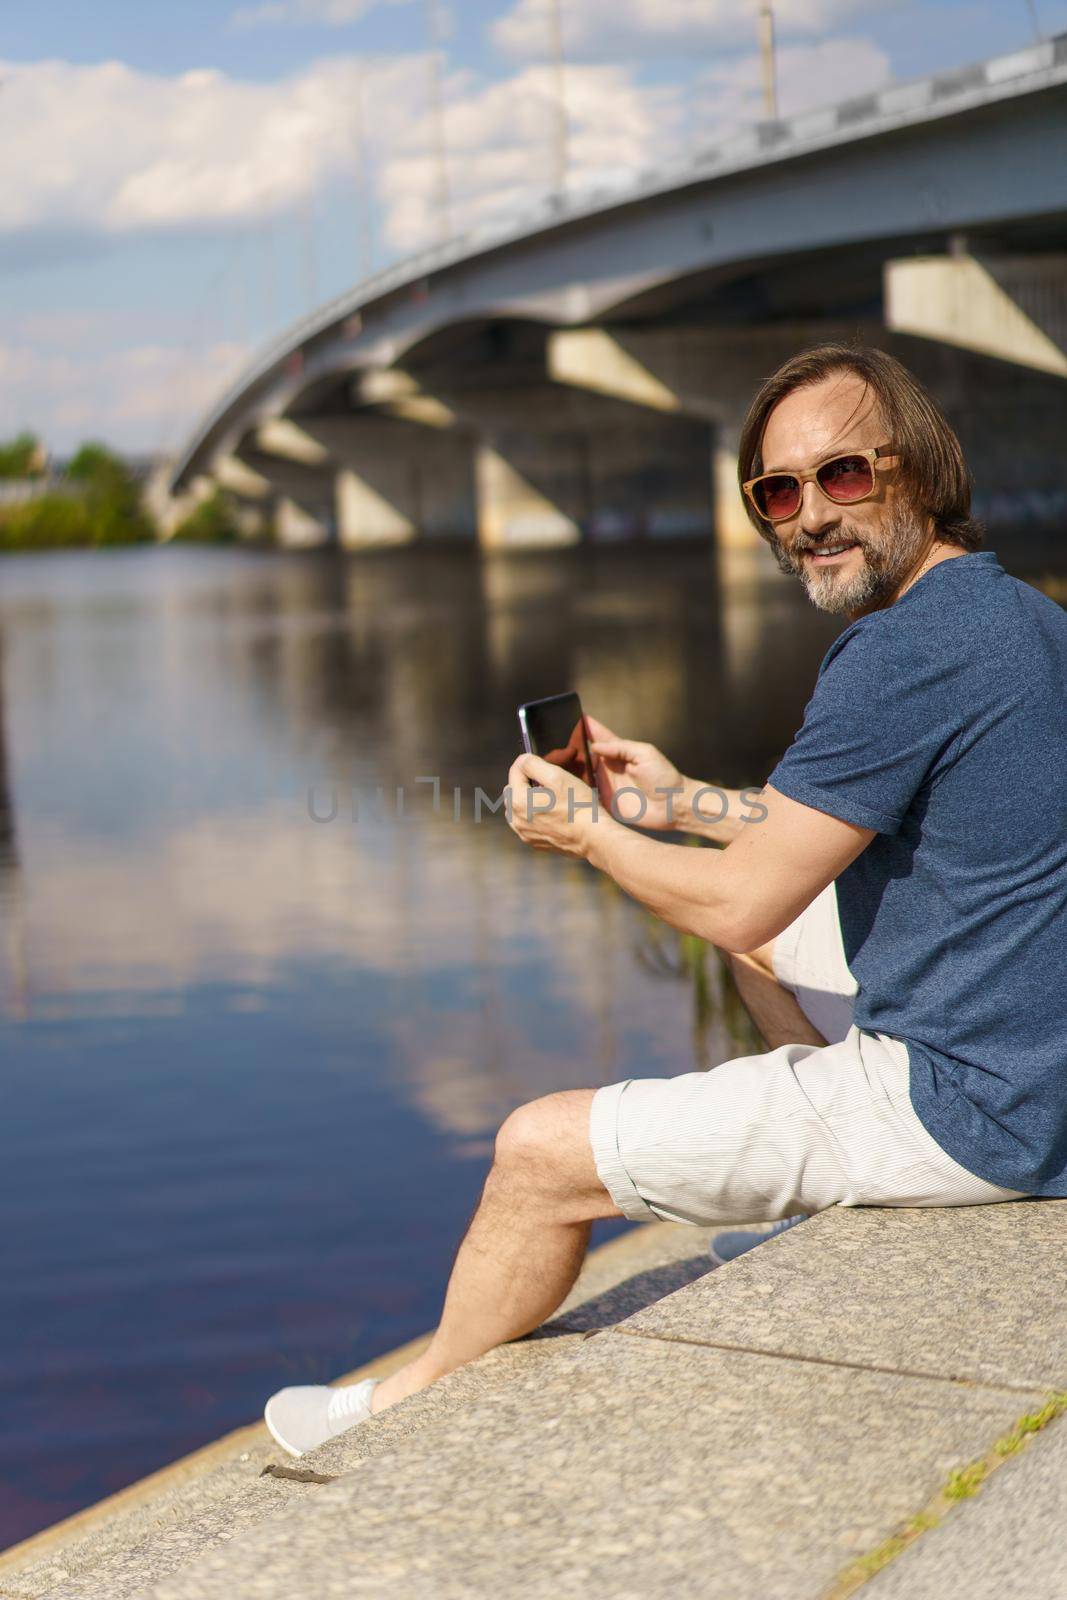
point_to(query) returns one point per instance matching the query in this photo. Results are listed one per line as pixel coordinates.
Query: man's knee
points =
(544, 1145)
(543, 1133)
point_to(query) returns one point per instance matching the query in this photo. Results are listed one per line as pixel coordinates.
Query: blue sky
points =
(179, 182)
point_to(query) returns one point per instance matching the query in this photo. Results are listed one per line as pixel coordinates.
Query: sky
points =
(180, 182)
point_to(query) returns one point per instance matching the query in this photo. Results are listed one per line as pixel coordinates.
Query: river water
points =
(254, 1052)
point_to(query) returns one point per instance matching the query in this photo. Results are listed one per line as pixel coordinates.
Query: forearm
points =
(714, 812)
(688, 889)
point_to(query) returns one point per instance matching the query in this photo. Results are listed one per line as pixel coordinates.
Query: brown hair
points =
(932, 465)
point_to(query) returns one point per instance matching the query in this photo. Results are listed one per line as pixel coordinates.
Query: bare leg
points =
(773, 1009)
(528, 1237)
(525, 1244)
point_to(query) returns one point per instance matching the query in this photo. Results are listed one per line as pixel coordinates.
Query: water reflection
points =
(12, 913)
(180, 721)
(254, 1061)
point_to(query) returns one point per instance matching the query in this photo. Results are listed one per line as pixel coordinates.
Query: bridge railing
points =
(895, 106)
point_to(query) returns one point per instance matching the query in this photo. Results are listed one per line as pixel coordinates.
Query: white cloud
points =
(121, 151)
(499, 136)
(118, 150)
(73, 379)
(809, 75)
(618, 29)
(313, 13)
(498, 140)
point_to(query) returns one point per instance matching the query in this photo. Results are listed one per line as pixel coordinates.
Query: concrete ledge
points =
(224, 1479)
(972, 1295)
(748, 1432)
(751, 1434)
(1005, 1543)
(115, 1546)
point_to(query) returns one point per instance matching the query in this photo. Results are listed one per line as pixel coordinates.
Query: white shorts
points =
(798, 1129)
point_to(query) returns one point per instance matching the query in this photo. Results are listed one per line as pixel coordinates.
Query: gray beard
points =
(888, 557)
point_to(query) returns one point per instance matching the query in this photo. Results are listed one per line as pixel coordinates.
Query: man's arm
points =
(652, 793)
(740, 897)
(710, 811)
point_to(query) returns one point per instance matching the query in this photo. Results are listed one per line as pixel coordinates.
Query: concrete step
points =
(158, 1526)
(1003, 1544)
(754, 1433)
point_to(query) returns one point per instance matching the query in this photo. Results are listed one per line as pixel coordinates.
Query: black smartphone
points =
(555, 729)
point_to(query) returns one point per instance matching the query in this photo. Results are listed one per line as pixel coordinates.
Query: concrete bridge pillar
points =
(251, 494)
(1014, 309)
(556, 465)
(733, 530)
(170, 510)
(293, 484)
(398, 479)
(522, 463)
(512, 509)
(712, 373)
(361, 480)
(239, 478)
(497, 460)
(661, 370)
(365, 517)
(296, 527)
(288, 441)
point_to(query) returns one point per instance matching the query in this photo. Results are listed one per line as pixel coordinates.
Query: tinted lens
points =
(846, 478)
(777, 496)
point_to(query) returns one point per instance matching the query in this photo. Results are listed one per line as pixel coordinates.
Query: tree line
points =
(93, 500)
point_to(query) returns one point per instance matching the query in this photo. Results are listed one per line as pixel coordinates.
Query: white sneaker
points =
(306, 1416)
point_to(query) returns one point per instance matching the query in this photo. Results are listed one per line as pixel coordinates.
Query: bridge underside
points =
(518, 434)
(588, 380)
(583, 374)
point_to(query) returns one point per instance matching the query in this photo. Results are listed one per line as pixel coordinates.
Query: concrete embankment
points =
(871, 1401)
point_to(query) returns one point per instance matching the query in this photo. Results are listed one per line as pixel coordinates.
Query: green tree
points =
(213, 521)
(52, 522)
(112, 496)
(98, 503)
(21, 457)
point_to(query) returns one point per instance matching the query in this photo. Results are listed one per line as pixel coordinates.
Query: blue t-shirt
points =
(941, 722)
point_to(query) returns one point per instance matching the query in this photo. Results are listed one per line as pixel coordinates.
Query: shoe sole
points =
(276, 1436)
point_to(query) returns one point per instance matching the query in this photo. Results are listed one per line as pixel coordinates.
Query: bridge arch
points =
(653, 309)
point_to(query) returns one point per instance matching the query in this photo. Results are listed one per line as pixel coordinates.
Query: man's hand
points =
(551, 809)
(632, 764)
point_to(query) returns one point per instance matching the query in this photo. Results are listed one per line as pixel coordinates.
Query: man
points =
(894, 909)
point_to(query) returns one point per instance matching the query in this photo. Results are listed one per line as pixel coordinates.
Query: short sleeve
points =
(882, 716)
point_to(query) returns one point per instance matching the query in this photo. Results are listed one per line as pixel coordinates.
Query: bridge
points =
(581, 371)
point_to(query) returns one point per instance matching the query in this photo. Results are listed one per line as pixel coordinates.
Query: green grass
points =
(961, 1484)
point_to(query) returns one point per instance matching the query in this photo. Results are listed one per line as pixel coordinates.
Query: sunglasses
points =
(843, 479)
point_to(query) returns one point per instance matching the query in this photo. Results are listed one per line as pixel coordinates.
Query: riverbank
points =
(203, 990)
(97, 498)
(870, 1402)
(220, 1471)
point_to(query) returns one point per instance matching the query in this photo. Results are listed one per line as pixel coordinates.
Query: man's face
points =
(884, 538)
